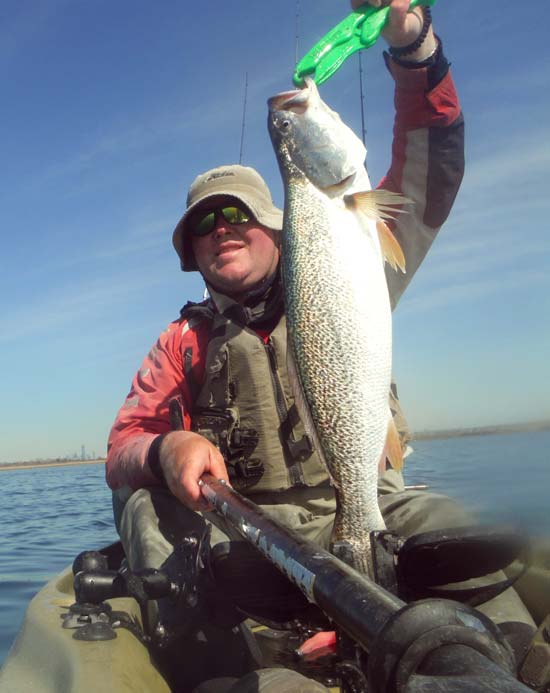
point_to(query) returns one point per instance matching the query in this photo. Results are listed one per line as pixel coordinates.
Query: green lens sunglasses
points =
(204, 222)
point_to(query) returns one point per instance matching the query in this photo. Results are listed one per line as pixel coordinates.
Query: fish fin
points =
(391, 250)
(378, 204)
(302, 406)
(393, 450)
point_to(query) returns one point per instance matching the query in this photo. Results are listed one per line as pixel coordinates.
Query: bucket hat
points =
(241, 182)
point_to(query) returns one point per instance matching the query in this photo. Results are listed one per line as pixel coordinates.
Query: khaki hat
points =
(241, 182)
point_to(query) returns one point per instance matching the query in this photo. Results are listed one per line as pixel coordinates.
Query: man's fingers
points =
(401, 6)
(212, 463)
(186, 457)
(375, 3)
(404, 25)
(217, 465)
(398, 13)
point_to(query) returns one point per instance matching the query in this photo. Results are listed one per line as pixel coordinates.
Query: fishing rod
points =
(243, 122)
(296, 31)
(361, 96)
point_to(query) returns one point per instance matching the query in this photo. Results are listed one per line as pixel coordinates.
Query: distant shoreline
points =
(6, 466)
(532, 427)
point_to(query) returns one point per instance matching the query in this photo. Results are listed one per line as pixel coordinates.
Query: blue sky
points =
(109, 110)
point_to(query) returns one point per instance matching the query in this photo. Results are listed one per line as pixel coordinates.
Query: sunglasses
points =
(204, 222)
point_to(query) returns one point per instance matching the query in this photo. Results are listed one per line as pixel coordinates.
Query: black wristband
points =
(437, 64)
(399, 52)
(153, 459)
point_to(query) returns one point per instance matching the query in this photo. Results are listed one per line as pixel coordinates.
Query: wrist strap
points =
(399, 52)
(153, 459)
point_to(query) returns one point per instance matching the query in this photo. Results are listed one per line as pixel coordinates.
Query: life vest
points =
(245, 406)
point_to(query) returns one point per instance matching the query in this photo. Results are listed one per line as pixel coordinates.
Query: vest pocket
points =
(236, 444)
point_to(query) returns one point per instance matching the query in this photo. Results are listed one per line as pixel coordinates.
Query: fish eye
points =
(285, 125)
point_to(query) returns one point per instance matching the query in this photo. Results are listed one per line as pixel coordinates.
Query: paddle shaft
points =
(367, 612)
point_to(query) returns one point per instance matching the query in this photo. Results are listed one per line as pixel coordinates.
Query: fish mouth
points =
(295, 100)
(306, 132)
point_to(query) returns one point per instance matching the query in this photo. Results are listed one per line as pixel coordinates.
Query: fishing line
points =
(297, 31)
(244, 117)
(363, 130)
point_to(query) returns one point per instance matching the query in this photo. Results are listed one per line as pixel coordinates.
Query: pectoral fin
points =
(378, 204)
(391, 250)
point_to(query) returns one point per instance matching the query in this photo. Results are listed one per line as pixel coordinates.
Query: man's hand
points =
(184, 458)
(375, 3)
(403, 27)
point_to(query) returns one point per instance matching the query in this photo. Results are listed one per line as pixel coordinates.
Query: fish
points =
(334, 242)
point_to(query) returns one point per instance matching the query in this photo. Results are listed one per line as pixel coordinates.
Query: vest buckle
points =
(248, 469)
(301, 449)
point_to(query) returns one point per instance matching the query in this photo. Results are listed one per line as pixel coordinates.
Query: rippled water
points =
(51, 514)
(48, 516)
(503, 478)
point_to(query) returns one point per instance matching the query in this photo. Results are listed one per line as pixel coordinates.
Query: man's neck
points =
(263, 303)
(249, 297)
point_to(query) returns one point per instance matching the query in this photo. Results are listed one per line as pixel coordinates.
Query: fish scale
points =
(337, 304)
(341, 341)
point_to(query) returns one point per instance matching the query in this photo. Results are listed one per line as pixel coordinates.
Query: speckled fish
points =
(338, 312)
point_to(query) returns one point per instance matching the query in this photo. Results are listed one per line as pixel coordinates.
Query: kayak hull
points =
(45, 658)
(534, 586)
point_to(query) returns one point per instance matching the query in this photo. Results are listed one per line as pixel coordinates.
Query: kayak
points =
(534, 586)
(46, 658)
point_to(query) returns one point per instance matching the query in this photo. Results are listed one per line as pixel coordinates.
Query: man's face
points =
(233, 258)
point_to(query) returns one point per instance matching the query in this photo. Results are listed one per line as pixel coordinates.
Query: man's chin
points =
(231, 281)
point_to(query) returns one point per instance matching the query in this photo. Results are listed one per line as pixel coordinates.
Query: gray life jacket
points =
(246, 408)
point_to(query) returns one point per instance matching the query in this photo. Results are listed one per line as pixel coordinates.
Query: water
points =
(502, 478)
(51, 514)
(48, 516)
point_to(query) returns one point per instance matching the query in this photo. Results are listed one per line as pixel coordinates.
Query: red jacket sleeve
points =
(427, 161)
(145, 412)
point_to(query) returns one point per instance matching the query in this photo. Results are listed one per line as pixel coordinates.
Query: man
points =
(223, 360)
(229, 232)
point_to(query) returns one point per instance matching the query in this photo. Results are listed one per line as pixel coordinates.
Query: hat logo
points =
(221, 174)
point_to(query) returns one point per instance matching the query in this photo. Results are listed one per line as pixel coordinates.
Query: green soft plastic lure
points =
(358, 30)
